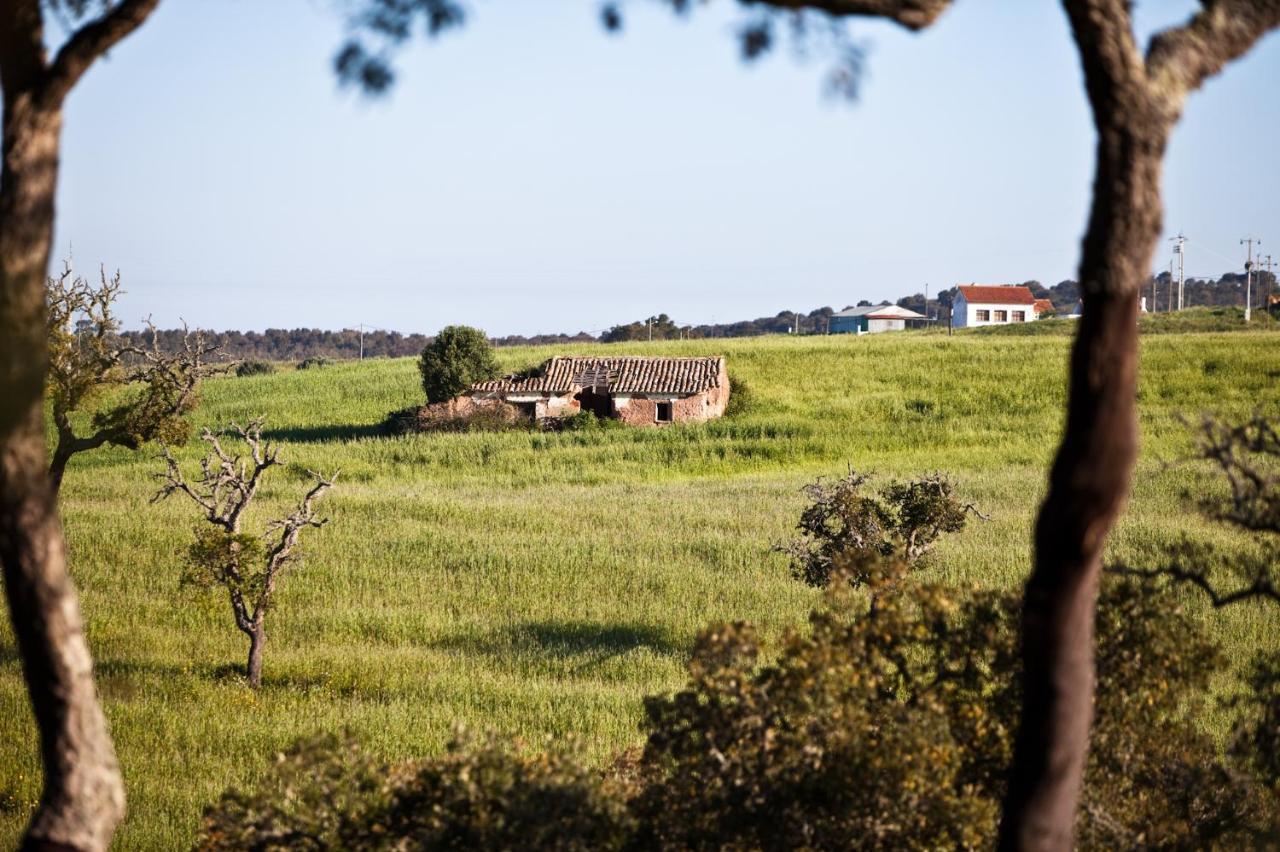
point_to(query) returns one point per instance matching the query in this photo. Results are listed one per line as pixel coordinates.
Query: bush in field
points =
(741, 397)
(843, 519)
(327, 794)
(254, 368)
(457, 358)
(314, 363)
(319, 794)
(416, 419)
(877, 727)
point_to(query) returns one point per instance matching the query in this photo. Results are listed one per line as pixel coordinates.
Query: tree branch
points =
(1180, 59)
(913, 14)
(1261, 587)
(1112, 63)
(90, 42)
(22, 56)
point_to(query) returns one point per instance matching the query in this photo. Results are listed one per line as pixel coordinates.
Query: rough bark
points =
(1135, 104)
(83, 796)
(257, 641)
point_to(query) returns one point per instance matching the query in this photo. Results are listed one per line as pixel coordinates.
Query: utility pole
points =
(1179, 249)
(1271, 283)
(1248, 276)
(649, 324)
(926, 300)
(361, 341)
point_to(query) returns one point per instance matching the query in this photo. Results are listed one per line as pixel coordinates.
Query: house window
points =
(663, 414)
(1002, 316)
(1019, 316)
(982, 316)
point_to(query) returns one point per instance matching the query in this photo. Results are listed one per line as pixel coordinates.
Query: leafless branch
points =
(1263, 587)
(227, 483)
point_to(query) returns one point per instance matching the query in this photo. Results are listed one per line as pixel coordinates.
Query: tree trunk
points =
(257, 640)
(58, 466)
(1088, 484)
(83, 797)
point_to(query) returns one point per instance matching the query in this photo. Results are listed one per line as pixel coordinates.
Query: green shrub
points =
(843, 520)
(887, 726)
(418, 419)
(457, 358)
(254, 368)
(328, 794)
(320, 794)
(582, 421)
(314, 362)
(742, 398)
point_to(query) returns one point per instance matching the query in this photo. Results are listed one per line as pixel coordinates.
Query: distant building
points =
(871, 319)
(987, 304)
(1042, 307)
(635, 390)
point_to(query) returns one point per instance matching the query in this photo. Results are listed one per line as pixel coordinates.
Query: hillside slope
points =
(541, 584)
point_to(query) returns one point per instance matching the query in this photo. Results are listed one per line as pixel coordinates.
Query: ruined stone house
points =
(637, 391)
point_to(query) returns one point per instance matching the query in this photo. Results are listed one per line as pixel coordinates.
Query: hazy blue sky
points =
(532, 174)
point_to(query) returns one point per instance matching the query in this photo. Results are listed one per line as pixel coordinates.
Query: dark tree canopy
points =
(457, 358)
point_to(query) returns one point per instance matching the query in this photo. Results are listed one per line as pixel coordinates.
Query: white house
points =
(987, 304)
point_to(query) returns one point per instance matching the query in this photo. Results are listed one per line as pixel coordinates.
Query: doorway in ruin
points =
(596, 401)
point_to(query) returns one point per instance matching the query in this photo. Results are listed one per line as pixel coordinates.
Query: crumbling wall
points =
(641, 410)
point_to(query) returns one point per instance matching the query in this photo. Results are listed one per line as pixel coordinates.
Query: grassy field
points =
(541, 584)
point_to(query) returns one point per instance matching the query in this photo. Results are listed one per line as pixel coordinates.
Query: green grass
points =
(542, 584)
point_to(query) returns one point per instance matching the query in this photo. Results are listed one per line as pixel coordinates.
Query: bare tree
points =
(248, 567)
(87, 359)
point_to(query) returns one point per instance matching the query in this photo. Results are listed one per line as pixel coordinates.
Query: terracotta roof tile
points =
(628, 374)
(996, 294)
(1043, 305)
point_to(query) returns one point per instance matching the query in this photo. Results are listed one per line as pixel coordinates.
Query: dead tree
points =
(248, 567)
(87, 360)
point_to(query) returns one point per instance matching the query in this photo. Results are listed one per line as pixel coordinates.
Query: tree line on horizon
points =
(278, 344)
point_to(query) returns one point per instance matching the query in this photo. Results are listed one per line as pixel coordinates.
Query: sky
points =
(531, 173)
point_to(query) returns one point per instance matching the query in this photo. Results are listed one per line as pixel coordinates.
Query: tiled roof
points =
(617, 375)
(996, 294)
(1043, 305)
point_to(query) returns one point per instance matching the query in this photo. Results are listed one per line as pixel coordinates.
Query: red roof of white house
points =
(1043, 305)
(996, 294)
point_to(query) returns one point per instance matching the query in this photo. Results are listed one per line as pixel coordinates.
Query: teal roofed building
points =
(872, 319)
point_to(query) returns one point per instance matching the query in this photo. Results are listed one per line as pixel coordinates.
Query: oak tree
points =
(247, 567)
(130, 394)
